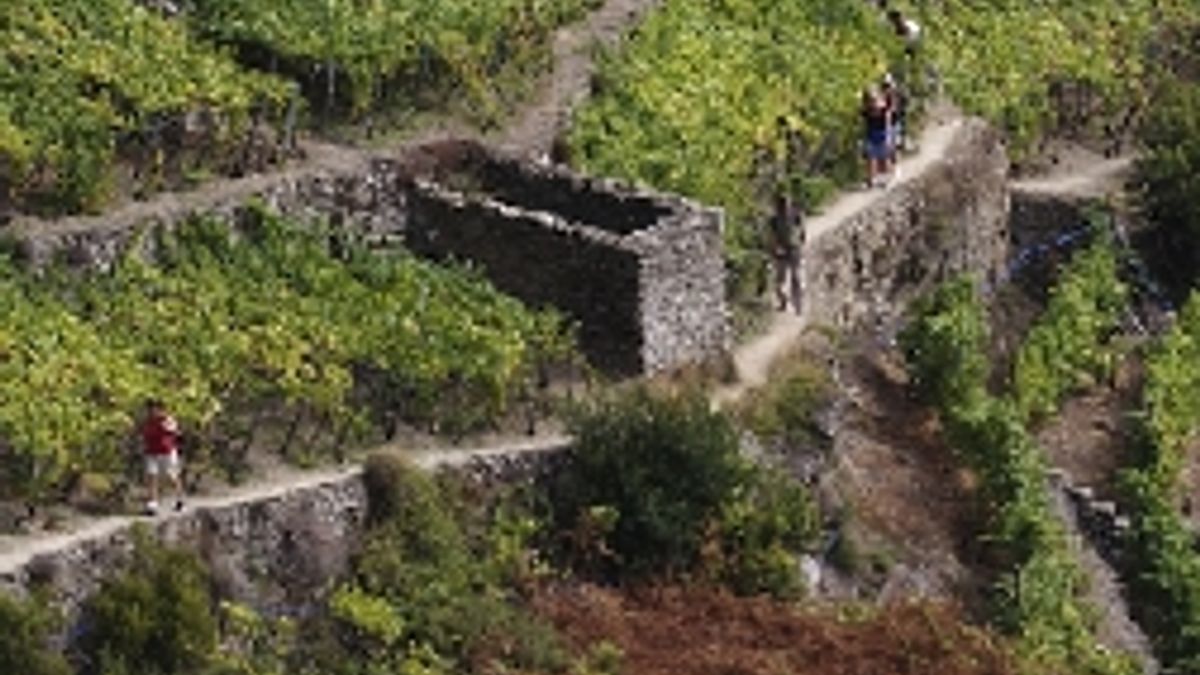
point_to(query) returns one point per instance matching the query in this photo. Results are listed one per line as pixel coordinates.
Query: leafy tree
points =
(24, 628)
(1169, 170)
(155, 618)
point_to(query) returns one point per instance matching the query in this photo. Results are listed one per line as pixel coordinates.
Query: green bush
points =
(945, 344)
(24, 628)
(1069, 344)
(784, 409)
(425, 596)
(155, 618)
(1169, 168)
(657, 484)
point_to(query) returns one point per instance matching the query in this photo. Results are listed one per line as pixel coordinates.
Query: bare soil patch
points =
(903, 485)
(1088, 439)
(680, 631)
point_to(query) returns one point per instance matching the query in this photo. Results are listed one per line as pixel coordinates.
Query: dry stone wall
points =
(950, 219)
(641, 273)
(279, 553)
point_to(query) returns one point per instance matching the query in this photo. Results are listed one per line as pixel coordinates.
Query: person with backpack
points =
(897, 105)
(786, 245)
(160, 452)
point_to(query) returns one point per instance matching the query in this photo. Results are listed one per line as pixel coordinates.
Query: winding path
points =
(531, 132)
(752, 361)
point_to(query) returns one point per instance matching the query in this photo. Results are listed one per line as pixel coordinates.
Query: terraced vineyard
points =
(232, 334)
(692, 104)
(106, 100)
(86, 83)
(360, 55)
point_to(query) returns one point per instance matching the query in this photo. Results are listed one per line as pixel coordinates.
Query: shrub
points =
(425, 597)
(23, 636)
(946, 344)
(785, 408)
(664, 466)
(155, 618)
(1169, 169)
(659, 481)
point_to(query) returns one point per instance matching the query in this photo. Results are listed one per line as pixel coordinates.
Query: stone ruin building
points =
(642, 274)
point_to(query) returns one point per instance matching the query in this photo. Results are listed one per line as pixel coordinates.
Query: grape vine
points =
(393, 50)
(1069, 343)
(1040, 584)
(229, 329)
(80, 79)
(1163, 547)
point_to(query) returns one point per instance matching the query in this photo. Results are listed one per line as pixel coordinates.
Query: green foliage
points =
(946, 345)
(1004, 60)
(785, 407)
(24, 633)
(401, 44)
(603, 658)
(659, 482)
(251, 644)
(1038, 595)
(82, 77)
(1169, 167)
(690, 103)
(1162, 543)
(424, 595)
(1069, 343)
(227, 327)
(154, 618)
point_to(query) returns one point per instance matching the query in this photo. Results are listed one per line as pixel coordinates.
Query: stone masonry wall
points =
(950, 219)
(542, 260)
(278, 553)
(365, 195)
(642, 273)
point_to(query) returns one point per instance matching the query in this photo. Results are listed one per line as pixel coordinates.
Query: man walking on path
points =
(160, 448)
(787, 243)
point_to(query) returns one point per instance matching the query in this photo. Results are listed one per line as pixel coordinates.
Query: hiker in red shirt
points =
(160, 447)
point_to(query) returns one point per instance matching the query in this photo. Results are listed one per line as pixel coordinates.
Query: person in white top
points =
(906, 29)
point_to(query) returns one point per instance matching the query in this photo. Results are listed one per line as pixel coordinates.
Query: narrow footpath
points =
(753, 362)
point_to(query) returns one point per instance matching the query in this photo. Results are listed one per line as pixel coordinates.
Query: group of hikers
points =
(884, 110)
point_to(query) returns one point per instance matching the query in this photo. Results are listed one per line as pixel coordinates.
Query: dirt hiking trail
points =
(530, 132)
(753, 360)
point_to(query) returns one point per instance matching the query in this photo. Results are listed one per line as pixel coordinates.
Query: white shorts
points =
(167, 465)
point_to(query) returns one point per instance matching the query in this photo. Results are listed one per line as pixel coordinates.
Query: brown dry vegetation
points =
(680, 631)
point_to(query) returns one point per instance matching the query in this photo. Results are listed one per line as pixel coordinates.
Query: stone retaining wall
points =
(951, 219)
(642, 273)
(277, 553)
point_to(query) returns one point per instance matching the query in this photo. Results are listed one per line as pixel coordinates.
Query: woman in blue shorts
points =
(875, 142)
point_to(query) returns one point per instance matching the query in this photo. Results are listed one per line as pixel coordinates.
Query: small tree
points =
(155, 618)
(1170, 169)
(23, 636)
